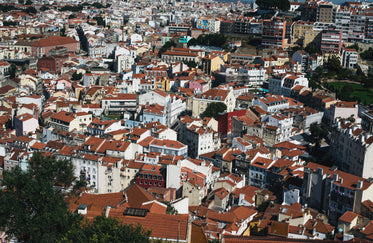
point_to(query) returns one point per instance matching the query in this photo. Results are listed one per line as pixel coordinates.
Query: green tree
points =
(191, 64)
(317, 133)
(334, 64)
(263, 207)
(368, 54)
(31, 10)
(44, 8)
(63, 31)
(312, 48)
(76, 76)
(354, 46)
(72, 16)
(32, 204)
(28, 2)
(100, 21)
(294, 49)
(213, 109)
(97, 5)
(103, 229)
(170, 209)
(12, 70)
(283, 5)
(166, 46)
(218, 40)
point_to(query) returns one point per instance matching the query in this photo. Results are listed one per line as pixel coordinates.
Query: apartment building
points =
(341, 109)
(272, 103)
(201, 101)
(333, 191)
(258, 171)
(352, 149)
(256, 75)
(356, 31)
(285, 125)
(325, 12)
(42, 47)
(119, 103)
(331, 40)
(342, 18)
(301, 33)
(201, 140)
(151, 176)
(273, 35)
(349, 58)
(165, 146)
(68, 121)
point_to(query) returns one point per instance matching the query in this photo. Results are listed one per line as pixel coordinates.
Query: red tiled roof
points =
(137, 195)
(163, 226)
(98, 201)
(348, 217)
(54, 41)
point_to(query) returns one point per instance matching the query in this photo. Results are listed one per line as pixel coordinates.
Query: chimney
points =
(362, 138)
(319, 171)
(335, 177)
(359, 184)
(82, 209)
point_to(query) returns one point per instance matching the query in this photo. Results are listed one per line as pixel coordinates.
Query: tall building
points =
(342, 18)
(274, 33)
(331, 40)
(303, 33)
(352, 149)
(349, 58)
(356, 31)
(325, 13)
(333, 191)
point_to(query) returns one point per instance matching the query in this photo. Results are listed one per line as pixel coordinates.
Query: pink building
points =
(42, 47)
(199, 85)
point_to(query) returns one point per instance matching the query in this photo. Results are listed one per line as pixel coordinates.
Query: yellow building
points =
(311, 36)
(303, 33)
(212, 63)
(162, 83)
(201, 101)
(28, 80)
(280, 60)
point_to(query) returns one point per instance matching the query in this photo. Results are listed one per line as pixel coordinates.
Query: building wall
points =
(90, 167)
(108, 179)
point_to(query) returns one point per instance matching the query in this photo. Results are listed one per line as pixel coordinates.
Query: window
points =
(145, 183)
(150, 182)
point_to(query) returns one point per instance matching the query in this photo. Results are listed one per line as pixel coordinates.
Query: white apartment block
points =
(272, 103)
(352, 149)
(282, 84)
(119, 103)
(349, 58)
(284, 123)
(256, 75)
(201, 140)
